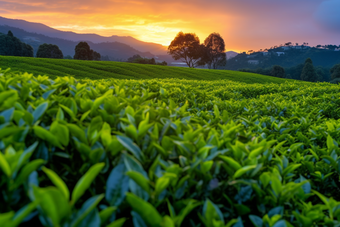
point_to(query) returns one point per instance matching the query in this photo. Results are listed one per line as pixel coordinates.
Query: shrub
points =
(49, 51)
(167, 152)
(278, 71)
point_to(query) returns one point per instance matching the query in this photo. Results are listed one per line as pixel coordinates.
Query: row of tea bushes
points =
(167, 153)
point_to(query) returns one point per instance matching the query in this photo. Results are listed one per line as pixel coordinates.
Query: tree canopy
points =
(278, 71)
(12, 46)
(308, 71)
(335, 71)
(187, 46)
(49, 51)
(138, 59)
(215, 48)
(84, 52)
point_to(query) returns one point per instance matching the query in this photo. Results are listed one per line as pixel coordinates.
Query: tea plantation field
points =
(167, 152)
(120, 70)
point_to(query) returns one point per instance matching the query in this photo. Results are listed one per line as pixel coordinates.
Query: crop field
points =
(120, 70)
(167, 152)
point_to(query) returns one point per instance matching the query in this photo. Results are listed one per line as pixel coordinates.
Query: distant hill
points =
(94, 38)
(286, 57)
(115, 50)
(231, 54)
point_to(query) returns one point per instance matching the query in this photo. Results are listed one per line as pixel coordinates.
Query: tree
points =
(278, 71)
(138, 59)
(308, 71)
(68, 57)
(215, 48)
(49, 51)
(133, 58)
(187, 46)
(83, 52)
(12, 46)
(335, 71)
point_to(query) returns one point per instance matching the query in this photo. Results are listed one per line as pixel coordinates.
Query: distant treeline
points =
(138, 59)
(286, 56)
(306, 72)
(12, 46)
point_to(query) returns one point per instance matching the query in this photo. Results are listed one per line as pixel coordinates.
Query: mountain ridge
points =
(39, 28)
(117, 48)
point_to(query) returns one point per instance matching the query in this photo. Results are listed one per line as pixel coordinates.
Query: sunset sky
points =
(244, 24)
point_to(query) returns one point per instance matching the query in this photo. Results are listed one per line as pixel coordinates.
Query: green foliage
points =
(215, 48)
(138, 59)
(168, 152)
(335, 71)
(292, 57)
(83, 52)
(308, 72)
(49, 51)
(186, 46)
(12, 46)
(278, 71)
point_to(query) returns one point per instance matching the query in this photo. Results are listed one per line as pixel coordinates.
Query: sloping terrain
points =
(121, 70)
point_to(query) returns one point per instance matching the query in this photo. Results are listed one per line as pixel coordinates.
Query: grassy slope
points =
(120, 70)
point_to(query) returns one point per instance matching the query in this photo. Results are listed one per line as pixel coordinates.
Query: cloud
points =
(328, 15)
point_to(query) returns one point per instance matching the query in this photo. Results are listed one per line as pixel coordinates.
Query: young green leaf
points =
(139, 179)
(148, 213)
(39, 111)
(26, 171)
(233, 164)
(117, 185)
(85, 181)
(243, 170)
(4, 165)
(57, 181)
(132, 147)
(85, 210)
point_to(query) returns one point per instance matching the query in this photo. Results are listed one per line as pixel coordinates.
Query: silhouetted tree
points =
(133, 58)
(187, 46)
(68, 57)
(278, 71)
(12, 46)
(138, 59)
(215, 48)
(95, 55)
(308, 71)
(83, 52)
(335, 71)
(49, 51)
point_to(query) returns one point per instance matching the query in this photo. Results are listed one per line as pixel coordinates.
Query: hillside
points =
(79, 152)
(39, 28)
(115, 50)
(287, 58)
(121, 70)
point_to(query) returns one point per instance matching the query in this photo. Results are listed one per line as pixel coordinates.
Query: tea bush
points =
(122, 70)
(168, 152)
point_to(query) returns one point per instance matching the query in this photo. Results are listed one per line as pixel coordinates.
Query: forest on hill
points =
(286, 56)
(115, 51)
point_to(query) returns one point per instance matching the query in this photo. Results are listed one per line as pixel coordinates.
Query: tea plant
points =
(122, 70)
(168, 152)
